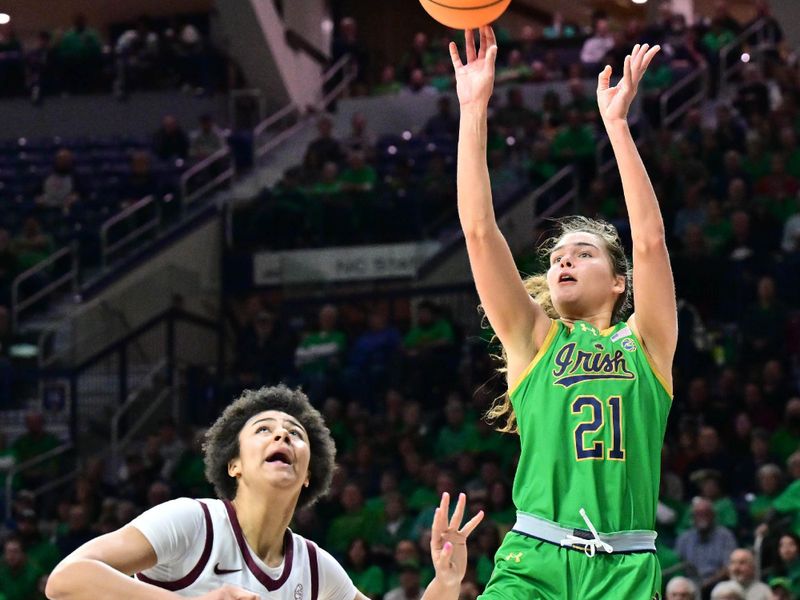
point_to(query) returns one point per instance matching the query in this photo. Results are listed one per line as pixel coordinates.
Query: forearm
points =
(94, 580)
(475, 208)
(640, 198)
(437, 590)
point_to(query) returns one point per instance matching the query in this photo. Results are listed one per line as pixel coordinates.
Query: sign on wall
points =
(359, 263)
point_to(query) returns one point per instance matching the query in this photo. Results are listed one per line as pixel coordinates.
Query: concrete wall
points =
(103, 115)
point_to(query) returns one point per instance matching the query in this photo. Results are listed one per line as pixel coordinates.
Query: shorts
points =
(526, 568)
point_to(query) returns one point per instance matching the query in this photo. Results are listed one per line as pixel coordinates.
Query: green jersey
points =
(591, 413)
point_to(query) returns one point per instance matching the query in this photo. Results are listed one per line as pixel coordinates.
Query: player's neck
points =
(264, 523)
(600, 321)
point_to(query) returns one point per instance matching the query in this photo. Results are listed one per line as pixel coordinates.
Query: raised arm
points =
(518, 321)
(655, 319)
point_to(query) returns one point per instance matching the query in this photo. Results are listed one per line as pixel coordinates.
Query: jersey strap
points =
(312, 560)
(264, 579)
(192, 576)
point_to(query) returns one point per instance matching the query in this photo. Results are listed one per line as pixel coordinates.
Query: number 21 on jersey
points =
(588, 447)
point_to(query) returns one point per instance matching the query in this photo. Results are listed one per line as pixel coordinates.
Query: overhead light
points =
(4, 18)
(639, 1)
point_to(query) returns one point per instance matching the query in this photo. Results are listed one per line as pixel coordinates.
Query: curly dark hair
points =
(221, 444)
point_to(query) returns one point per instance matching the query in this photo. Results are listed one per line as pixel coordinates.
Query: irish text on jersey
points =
(574, 366)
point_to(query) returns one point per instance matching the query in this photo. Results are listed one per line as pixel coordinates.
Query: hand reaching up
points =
(614, 102)
(475, 80)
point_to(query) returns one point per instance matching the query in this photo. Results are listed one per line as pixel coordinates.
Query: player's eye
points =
(296, 433)
(556, 259)
(582, 254)
(262, 428)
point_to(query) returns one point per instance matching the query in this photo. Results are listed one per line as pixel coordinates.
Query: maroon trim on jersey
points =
(288, 553)
(192, 576)
(312, 560)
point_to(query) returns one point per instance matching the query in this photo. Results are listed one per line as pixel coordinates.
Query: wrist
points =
(620, 124)
(474, 110)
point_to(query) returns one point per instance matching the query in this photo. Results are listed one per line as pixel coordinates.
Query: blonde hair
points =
(501, 413)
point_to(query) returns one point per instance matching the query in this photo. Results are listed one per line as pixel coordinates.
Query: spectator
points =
(742, 570)
(346, 43)
(207, 139)
(706, 546)
(770, 478)
(41, 66)
(61, 188)
(418, 84)
(39, 549)
(682, 588)
(781, 588)
(324, 149)
(419, 57)
(77, 533)
(353, 522)
(559, 29)
(319, 355)
(365, 574)
(170, 142)
(34, 442)
(358, 176)
(360, 139)
(727, 590)
(458, 435)
(764, 328)
(374, 353)
(80, 56)
(791, 230)
(141, 181)
(18, 574)
(410, 586)
(388, 82)
(597, 46)
(443, 124)
(515, 69)
(265, 351)
(575, 141)
(786, 439)
(789, 560)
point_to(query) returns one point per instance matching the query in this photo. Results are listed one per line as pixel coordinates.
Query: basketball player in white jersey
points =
(268, 453)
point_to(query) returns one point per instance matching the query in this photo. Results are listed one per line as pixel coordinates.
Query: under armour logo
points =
(516, 556)
(585, 327)
(298, 592)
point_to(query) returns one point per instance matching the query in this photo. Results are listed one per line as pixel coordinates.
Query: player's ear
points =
(235, 468)
(619, 284)
(307, 482)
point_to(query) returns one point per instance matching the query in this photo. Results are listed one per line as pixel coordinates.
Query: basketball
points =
(465, 14)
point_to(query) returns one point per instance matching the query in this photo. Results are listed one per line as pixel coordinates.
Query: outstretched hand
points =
(475, 80)
(449, 540)
(614, 102)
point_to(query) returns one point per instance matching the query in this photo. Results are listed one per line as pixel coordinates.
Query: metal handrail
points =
(105, 248)
(17, 305)
(667, 117)
(724, 70)
(274, 118)
(119, 444)
(227, 174)
(16, 469)
(568, 171)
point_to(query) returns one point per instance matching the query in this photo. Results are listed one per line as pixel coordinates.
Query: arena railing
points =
(52, 483)
(22, 300)
(697, 77)
(119, 440)
(730, 60)
(211, 173)
(129, 217)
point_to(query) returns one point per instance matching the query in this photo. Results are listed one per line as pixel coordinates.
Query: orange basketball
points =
(465, 14)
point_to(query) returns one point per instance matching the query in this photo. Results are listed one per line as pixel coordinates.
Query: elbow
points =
(652, 242)
(58, 582)
(477, 233)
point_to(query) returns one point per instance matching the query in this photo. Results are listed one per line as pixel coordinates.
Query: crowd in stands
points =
(145, 55)
(404, 390)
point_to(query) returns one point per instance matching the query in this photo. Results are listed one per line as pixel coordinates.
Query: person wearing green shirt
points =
(717, 37)
(358, 176)
(18, 574)
(769, 486)
(574, 141)
(319, 355)
(38, 548)
(388, 82)
(356, 521)
(786, 439)
(80, 54)
(35, 442)
(457, 435)
(367, 576)
(429, 332)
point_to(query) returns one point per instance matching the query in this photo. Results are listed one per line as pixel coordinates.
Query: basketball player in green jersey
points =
(588, 393)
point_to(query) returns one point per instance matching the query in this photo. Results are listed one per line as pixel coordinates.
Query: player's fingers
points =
(454, 56)
(604, 79)
(491, 56)
(458, 513)
(637, 60)
(439, 524)
(626, 70)
(649, 56)
(444, 557)
(484, 43)
(469, 42)
(470, 525)
(490, 37)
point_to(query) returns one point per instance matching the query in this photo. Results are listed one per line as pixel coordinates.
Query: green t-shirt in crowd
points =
(574, 142)
(455, 441)
(368, 581)
(19, 584)
(438, 331)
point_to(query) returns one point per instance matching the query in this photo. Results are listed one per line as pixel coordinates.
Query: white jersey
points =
(200, 547)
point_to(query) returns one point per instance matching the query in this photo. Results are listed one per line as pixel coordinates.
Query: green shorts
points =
(529, 569)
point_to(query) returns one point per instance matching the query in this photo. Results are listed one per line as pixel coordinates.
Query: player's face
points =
(581, 280)
(273, 447)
